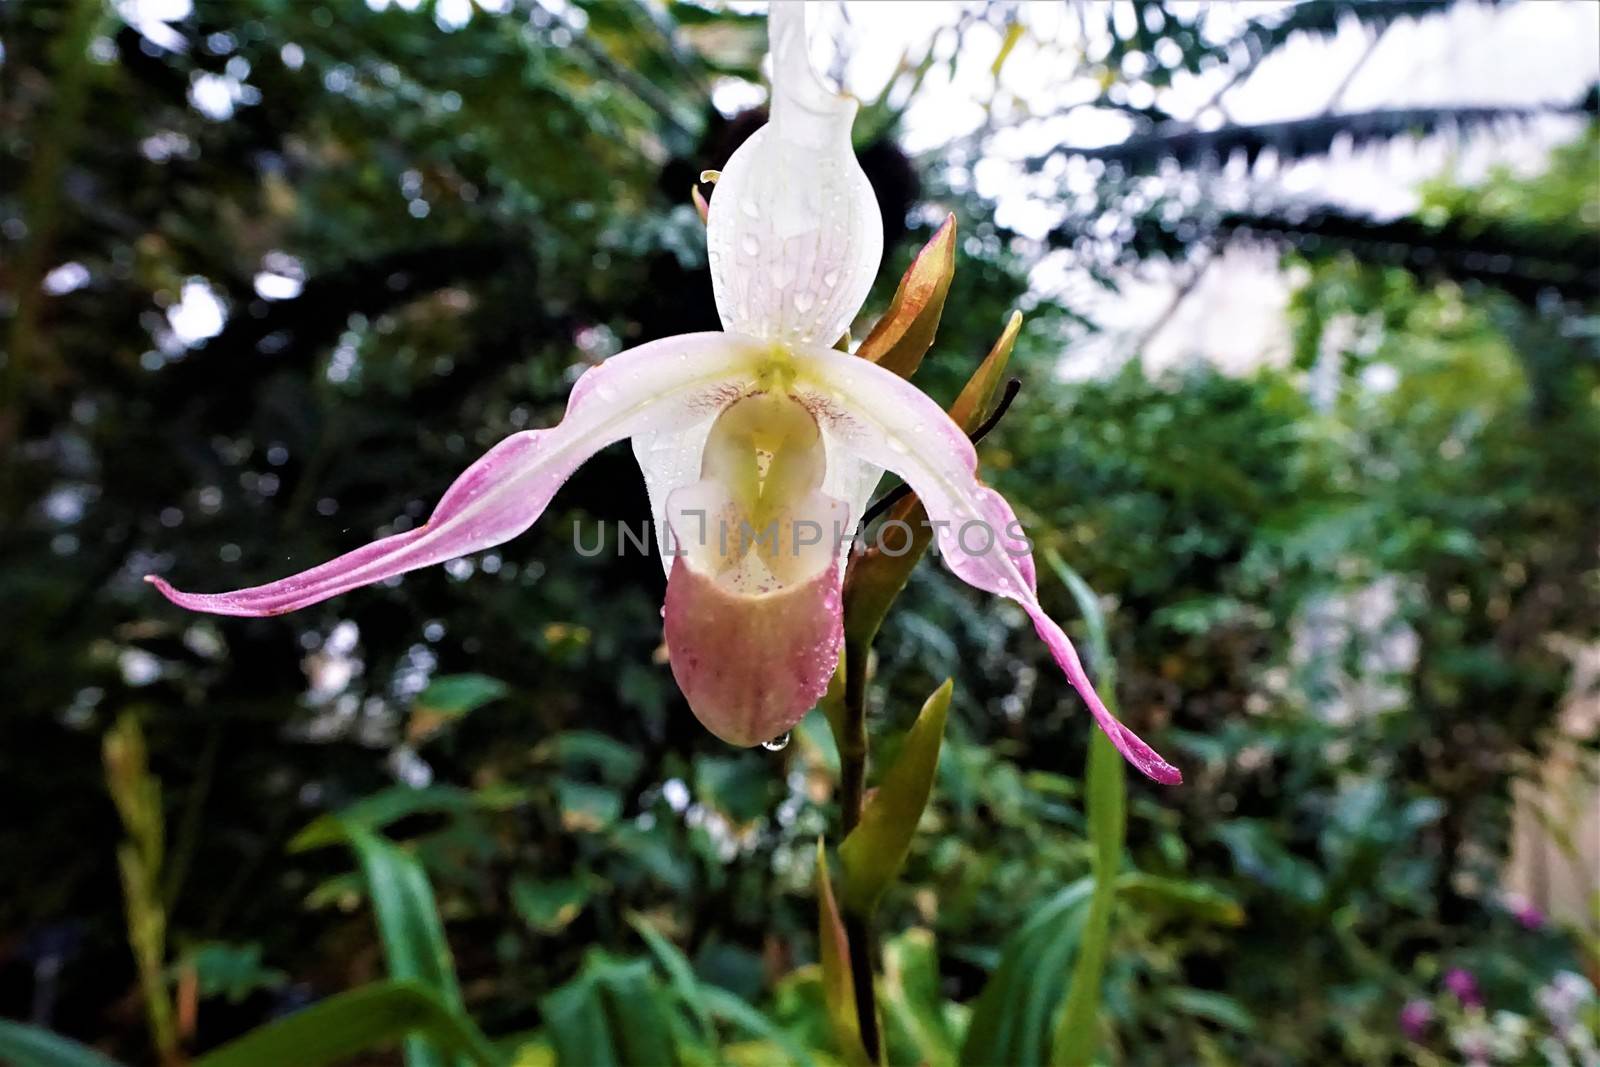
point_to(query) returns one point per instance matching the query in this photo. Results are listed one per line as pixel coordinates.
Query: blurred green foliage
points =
(1345, 591)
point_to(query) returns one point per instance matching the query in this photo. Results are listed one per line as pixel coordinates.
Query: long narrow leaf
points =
(681, 974)
(342, 1026)
(735, 1011)
(903, 336)
(1012, 1020)
(1196, 900)
(408, 924)
(709, 1002)
(838, 983)
(1076, 1033)
(875, 850)
(914, 1006)
(22, 1045)
(575, 1021)
(612, 1015)
(387, 806)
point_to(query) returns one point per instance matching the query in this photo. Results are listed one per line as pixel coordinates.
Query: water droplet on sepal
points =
(777, 744)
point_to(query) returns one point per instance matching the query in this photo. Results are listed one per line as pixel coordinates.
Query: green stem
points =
(1076, 1034)
(858, 933)
(851, 737)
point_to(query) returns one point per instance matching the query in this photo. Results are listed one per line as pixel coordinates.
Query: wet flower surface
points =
(760, 445)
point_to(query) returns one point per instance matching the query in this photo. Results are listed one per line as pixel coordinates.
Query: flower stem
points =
(852, 741)
(1077, 1034)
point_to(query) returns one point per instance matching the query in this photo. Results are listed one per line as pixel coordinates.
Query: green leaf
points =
(457, 694)
(22, 1045)
(1258, 855)
(408, 924)
(900, 339)
(344, 891)
(549, 907)
(838, 984)
(1196, 899)
(614, 762)
(708, 1002)
(731, 1008)
(234, 971)
(1011, 1022)
(575, 1019)
(611, 1014)
(1213, 1007)
(972, 405)
(344, 1025)
(447, 699)
(739, 787)
(915, 1007)
(1076, 1033)
(587, 808)
(680, 972)
(874, 852)
(373, 813)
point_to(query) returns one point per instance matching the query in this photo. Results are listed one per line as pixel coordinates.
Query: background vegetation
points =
(1345, 595)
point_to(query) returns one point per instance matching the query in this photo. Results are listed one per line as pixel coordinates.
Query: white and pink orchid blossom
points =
(759, 427)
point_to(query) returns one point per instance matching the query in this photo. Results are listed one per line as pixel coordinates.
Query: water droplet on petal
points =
(898, 446)
(831, 279)
(803, 301)
(750, 245)
(750, 208)
(777, 744)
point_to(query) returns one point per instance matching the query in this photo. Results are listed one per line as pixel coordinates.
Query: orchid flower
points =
(761, 426)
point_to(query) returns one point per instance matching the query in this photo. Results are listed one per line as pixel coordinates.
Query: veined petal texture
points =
(653, 388)
(794, 235)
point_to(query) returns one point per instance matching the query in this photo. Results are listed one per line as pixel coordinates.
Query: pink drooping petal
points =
(885, 420)
(754, 612)
(651, 388)
(752, 666)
